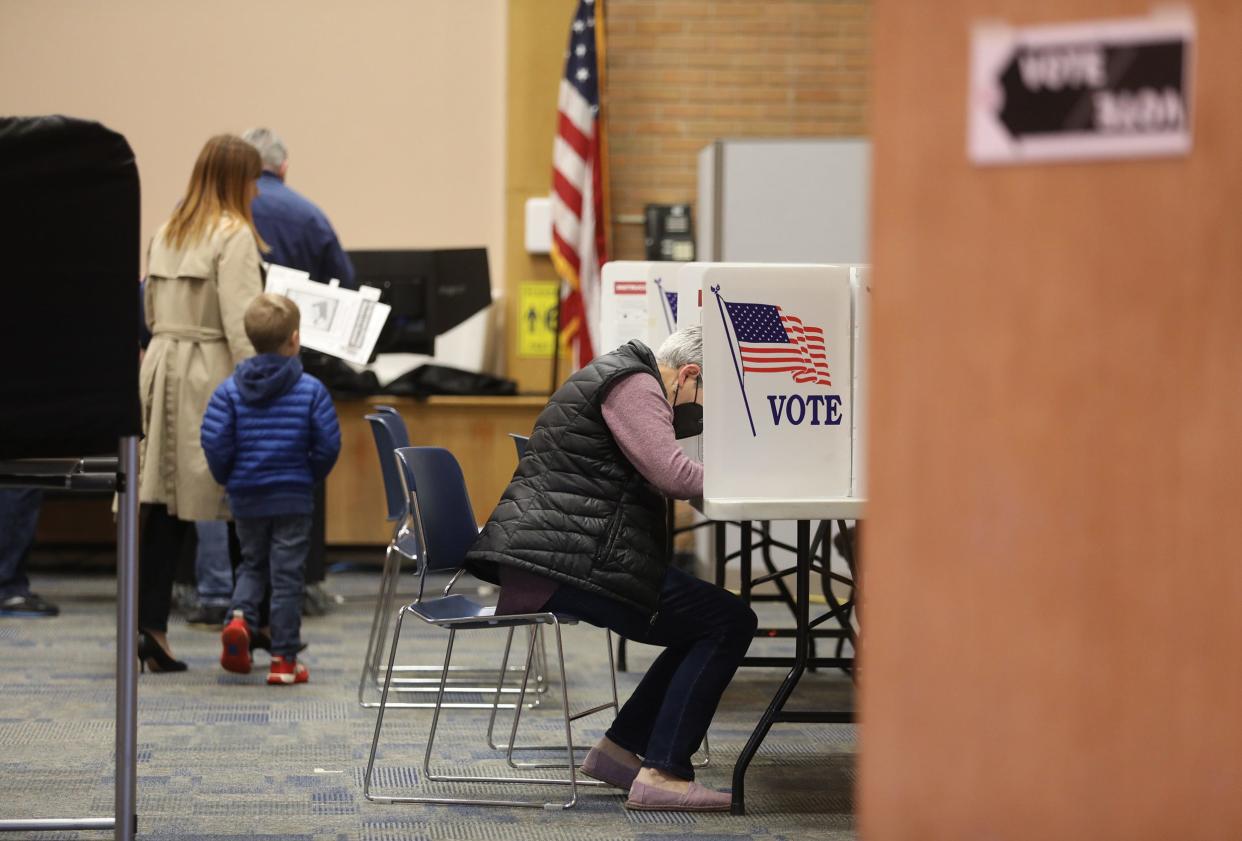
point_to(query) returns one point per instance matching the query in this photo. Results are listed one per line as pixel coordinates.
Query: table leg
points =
(772, 713)
(747, 537)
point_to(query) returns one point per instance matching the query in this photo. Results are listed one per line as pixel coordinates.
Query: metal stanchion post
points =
(127, 643)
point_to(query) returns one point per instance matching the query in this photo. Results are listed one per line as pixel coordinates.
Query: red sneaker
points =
(235, 638)
(287, 670)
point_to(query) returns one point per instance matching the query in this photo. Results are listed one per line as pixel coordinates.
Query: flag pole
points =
(725, 324)
(556, 343)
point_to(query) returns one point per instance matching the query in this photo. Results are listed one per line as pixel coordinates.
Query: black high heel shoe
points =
(151, 652)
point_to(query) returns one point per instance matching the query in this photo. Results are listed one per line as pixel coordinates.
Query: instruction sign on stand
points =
(1099, 89)
(638, 300)
(536, 317)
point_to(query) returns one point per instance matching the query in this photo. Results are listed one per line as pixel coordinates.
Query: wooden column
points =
(1053, 588)
(538, 36)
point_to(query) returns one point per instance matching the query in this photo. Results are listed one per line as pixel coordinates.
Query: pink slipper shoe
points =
(600, 766)
(698, 799)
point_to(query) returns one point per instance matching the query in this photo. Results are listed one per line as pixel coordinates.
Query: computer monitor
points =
(430, 292)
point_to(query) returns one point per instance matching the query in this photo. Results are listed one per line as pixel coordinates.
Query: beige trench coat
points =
(195, 301)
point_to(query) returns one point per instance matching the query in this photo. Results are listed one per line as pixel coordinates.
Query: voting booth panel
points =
(689, 285)
(778, 416)
(663, 299)
(638, 300)
(860, 290)
(690, 294)
(688, 282)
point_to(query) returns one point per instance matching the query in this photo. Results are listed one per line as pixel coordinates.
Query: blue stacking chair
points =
(520, 442)
(390, 433)
(444, 519)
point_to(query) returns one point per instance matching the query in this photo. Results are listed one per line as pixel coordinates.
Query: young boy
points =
(270, 433)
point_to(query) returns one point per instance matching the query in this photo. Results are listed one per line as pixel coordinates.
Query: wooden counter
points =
(475, 429)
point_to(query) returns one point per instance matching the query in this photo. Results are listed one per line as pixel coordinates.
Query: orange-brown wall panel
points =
(1051, 580)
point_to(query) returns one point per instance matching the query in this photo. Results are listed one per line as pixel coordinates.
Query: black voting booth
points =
(70, 417)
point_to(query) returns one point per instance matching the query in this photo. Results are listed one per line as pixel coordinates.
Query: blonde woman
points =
(202, 272)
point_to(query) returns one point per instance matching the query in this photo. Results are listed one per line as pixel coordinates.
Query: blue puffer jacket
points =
(270, 433)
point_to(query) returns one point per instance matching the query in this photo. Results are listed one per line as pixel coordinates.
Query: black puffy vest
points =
(577, 510)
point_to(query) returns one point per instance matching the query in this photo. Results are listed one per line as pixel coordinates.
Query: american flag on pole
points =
(579, 182)
(771, 341)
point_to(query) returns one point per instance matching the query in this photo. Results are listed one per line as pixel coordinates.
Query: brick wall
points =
(682, 74)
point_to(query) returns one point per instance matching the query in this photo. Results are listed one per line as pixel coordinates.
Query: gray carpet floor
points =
(223, 757)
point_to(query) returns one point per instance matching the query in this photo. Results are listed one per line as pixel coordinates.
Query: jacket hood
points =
(263, 378)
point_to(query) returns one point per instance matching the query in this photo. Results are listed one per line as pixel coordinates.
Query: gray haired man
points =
(300, 235)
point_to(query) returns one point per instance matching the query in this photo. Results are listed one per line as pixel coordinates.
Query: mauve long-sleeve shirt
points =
(641, 421)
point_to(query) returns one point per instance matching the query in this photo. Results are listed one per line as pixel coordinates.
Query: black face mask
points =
(687, 417)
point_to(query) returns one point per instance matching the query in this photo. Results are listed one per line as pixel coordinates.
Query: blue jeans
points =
(19, 516)
(213, 570)
(273, 549)
(705, 632)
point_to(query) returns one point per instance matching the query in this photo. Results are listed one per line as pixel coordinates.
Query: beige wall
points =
(393, 110)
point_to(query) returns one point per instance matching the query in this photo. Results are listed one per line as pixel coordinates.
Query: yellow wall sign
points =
(536, 317)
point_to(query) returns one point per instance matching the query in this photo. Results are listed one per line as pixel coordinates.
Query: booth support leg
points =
(772, 714)
(747, 536)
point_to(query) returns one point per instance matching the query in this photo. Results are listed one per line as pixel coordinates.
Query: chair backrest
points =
(447, 528)
(520, 441)
(395, 423)
(385, 445)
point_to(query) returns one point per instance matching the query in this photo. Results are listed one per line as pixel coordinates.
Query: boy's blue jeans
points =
(705, 632)
(273, 549)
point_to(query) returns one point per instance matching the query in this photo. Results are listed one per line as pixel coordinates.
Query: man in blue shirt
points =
(19, 516)
(300, 235)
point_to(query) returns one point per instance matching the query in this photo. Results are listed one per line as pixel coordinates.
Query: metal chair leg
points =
(429, 775)
(707, 755)
(379, 718)
(369, 664)
(390, 597)
(569, 736)
(491, 719)
(512, 746)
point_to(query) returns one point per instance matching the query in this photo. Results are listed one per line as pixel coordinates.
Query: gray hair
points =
(685, 347)
(271, 148)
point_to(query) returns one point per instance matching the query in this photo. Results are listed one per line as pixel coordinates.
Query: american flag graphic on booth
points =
(771, 341)
(669, 300)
